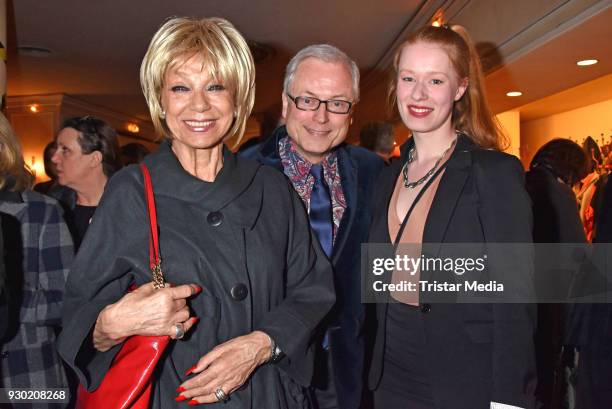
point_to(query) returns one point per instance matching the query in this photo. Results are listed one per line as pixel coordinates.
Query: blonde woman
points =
(248, 287)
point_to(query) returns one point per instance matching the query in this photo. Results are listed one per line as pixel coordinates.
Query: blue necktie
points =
(321, 219)
(320, 214)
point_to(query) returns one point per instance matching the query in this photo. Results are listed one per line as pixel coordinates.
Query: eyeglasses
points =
(335, 106)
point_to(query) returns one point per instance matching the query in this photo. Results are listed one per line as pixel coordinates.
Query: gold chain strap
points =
(158, 276)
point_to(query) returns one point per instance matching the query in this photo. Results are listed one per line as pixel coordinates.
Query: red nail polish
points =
(180, 398)
(190, 370)
(196, 320)
(198, 289)
(193, 402)
(180, 389)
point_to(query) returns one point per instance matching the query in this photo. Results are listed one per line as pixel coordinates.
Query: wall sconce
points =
(37, 168)
(133, 128)
(34, 108)
(438, 19)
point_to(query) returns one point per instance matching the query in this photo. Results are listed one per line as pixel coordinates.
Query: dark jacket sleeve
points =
(100, 274)
(310, 294)
(3, 300)
(505, 212)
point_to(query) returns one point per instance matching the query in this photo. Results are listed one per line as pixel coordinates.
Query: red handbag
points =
(127, 384)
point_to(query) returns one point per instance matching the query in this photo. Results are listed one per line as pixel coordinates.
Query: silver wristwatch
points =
(276, 353)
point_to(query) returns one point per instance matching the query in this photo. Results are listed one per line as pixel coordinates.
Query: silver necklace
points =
(412, 155)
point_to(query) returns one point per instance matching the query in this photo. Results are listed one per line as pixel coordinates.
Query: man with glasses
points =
(335, 182)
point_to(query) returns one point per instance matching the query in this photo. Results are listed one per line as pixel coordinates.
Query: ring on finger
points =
(220, 395)
(180, 331)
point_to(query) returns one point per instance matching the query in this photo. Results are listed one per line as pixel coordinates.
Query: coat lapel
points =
(448, 193)
(350, 183)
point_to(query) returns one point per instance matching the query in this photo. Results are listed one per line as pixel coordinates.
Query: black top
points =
(78, 220)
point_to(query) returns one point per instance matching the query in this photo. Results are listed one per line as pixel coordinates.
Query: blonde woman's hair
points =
(471, 114)
(12, 165)
(226, 56)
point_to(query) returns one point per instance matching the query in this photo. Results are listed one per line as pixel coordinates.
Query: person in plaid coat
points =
(38, 252)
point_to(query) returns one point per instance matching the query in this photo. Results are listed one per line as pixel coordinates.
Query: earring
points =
(162, 115)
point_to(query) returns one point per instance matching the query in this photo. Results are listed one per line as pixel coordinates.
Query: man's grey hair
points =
(323, 52)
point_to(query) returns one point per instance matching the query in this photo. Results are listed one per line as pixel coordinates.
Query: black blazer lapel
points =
(446, 197)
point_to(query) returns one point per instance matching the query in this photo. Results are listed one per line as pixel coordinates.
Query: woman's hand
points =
(227, 366)
(145, 311)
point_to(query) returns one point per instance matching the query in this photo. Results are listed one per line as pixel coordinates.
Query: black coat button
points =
(214, 218)
(425, 308)
(239, 292)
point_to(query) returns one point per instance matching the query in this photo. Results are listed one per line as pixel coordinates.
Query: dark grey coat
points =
(247, 230)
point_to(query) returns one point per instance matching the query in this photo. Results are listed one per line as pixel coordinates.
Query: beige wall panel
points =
(592, 120)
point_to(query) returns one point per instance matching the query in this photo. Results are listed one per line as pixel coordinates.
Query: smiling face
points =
(199, 109)
(73, 166)
(315, 133)
(427, 87)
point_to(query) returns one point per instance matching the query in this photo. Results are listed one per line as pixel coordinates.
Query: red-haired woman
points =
(452, 184)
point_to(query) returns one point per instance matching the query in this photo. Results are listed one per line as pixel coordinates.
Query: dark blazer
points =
(477, 353)
(3, 300)
(358, 169)
(243, 238)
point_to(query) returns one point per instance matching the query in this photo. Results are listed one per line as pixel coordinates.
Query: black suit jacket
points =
(358, 169)
(477, 353)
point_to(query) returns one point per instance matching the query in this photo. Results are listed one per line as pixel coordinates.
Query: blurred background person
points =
(87, 156)
(37, 255)
(45, 187)
(556, 168)
(379, 138)
(590, 192)
(593, 337)
(133, 153)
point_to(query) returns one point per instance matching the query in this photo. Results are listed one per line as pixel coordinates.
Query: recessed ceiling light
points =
(584, 63)
(514, 93)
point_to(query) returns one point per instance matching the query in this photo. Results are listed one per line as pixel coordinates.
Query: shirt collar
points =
(289, 154)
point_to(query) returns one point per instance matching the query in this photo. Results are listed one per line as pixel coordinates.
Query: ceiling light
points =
(33, 108)
(514, 93)
(584, 63)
